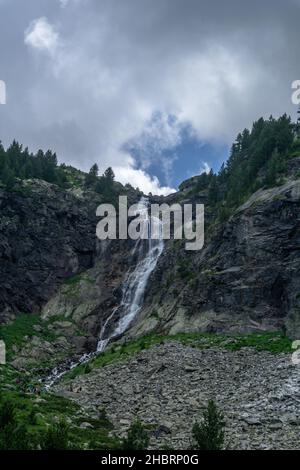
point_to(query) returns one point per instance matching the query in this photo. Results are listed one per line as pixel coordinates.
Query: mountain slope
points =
(246, 278)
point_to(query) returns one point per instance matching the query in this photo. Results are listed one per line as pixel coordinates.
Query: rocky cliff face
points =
(47, 234)
(245, 278)
(49, 252)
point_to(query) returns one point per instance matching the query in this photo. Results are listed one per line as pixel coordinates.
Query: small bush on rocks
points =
(56, 437)
(137, 437)
(209, 434)
(13, 434)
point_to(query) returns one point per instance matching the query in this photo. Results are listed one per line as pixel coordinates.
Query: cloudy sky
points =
(158, 89)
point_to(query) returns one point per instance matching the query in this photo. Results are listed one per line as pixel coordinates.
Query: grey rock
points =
(252, 420)
(171, 402)
(86, 425)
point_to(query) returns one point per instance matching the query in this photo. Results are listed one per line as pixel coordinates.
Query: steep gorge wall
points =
(47, 234)
(245, 278)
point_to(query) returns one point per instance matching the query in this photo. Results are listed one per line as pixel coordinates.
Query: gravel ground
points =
(168, 386)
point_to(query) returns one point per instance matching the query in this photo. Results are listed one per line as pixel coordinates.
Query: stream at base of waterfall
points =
(147, 252)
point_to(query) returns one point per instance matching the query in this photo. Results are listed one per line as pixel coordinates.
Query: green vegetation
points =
(76, 278)
(16, 162)
(73, 280)
(137, 437)
(210, 433)
(103, 185)
(265, 146)
(257, 159)
(184, 269)
(92, 176)
(31, 418)
(49, 422)
(16, 333)
(56, 437)
(274, 342)
(13, 433)
(13, 333)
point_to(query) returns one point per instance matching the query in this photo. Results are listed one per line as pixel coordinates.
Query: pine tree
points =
(137, 437)
(94, 171)
(51, 158)
(209, 434)
(109, 174)
(7, 177)
(91, 178)
(2, 158)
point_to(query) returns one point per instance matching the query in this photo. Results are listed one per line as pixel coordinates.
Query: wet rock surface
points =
(168, 386)
(246, 277)
(48, 235)
(52, 264)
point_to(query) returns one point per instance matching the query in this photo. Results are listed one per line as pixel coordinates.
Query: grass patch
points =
(73, 280)
(13, 333)
(16, 333)
(77, 278)
(38, 412)
(274, 342)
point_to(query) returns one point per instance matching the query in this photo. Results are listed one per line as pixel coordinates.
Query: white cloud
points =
(140, 179)
(205, 168)
(97, 75)
(117, 64)
(42, 35)
(160, 133)
(64, 3)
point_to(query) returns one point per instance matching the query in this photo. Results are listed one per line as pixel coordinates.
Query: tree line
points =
(257, 159)
(18, 162)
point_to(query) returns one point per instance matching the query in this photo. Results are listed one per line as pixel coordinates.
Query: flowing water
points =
(135, 284)
(147, 251)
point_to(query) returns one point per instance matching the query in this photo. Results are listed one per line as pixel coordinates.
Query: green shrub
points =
(209, 434)
(13, 434)
(56, 437)
(13, 333)
(137, 437)
(73, 280)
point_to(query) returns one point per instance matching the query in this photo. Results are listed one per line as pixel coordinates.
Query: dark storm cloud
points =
(87, 76)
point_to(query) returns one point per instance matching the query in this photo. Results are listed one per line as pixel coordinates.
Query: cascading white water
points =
(148, 251)
(136, 282)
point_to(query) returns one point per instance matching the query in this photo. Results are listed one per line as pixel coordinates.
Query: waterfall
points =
(149, 250)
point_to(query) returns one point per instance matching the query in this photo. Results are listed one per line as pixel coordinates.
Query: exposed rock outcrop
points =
(246, 277)
(47, 234)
